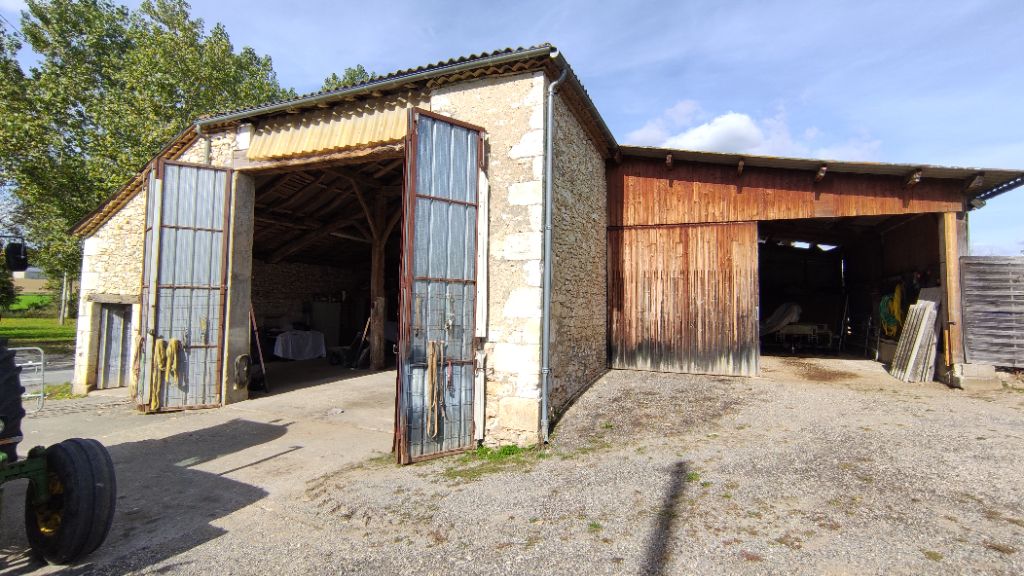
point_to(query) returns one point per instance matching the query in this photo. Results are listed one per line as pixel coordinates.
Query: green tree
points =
(350, 77)
(110, 87)
(8, 291)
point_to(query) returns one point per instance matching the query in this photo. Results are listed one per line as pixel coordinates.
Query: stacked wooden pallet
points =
(915, 353)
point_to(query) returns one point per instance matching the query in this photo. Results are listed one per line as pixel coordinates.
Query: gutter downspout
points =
(549, 162)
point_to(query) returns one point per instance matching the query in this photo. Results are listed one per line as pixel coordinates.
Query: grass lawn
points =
(33, 330)
(26, 301)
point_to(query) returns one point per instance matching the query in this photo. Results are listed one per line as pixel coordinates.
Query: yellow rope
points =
(165, 368)
(159, 359)
(434, 407)
(171, 366)
(133, 389)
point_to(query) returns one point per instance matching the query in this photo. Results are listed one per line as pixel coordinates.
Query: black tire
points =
(104, 489)
(77, 517)
(11, 411)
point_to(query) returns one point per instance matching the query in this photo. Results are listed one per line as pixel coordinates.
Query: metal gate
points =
(438, 297)
(184, 287)
(114, 367)
(993, 309)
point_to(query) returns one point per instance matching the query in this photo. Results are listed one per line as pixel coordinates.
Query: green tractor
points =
(72, 491)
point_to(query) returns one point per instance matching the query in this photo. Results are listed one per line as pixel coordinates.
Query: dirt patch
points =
(815, 371)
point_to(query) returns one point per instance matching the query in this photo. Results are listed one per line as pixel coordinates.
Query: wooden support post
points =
(952, 234)
(378, 299)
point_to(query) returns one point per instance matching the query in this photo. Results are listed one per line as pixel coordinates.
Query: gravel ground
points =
(817, 467)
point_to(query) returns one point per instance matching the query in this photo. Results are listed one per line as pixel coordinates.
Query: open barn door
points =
(183, 287)
(438, 297)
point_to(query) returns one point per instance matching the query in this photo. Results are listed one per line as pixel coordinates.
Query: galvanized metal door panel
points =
(186, 247)
(115, 346)
(438, 283)
(993, 309)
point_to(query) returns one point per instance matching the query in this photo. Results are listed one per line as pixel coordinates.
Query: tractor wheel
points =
(11, 411)
(77, 517)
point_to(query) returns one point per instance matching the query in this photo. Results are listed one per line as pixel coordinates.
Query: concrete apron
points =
(278, 441)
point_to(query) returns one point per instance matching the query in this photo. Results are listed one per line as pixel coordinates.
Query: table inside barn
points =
(300, 345)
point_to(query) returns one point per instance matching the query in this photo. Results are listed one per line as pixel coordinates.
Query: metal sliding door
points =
(185, 283)
(438, 298)
(115, 351)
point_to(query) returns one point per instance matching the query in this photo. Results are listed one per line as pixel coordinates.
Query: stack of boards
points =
(915, 353)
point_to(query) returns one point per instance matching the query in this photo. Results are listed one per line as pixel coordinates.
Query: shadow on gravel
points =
(165, 506)
(659, 547)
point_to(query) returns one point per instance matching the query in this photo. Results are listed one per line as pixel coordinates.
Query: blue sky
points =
(915, 82)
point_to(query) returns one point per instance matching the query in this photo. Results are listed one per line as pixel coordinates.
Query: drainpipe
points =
(549, 161)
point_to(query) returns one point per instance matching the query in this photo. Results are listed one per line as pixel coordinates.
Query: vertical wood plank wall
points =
(684, 298)
(682, 254)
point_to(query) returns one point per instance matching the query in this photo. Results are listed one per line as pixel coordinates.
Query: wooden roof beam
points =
(388, 167)
(913, 179)
(293, 246)
(352, 175)
(974, 182)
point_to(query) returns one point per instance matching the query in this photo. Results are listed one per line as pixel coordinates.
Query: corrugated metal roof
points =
(441, 66)
(1000, 179)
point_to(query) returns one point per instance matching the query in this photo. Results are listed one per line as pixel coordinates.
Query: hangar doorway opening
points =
(369, 263)
(326, 257)
(840, 287)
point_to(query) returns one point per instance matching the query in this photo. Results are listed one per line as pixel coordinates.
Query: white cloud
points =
(653, 133)
(681, 115)
(684, 112)
(742, 133)
(731, 132)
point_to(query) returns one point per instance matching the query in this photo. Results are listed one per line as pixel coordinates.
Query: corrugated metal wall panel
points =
(440, 292)
(329, 131)
(684, 298)
(993, 309)
(189, 283)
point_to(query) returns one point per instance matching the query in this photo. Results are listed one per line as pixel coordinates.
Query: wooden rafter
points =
(304, 240)
(388, 167)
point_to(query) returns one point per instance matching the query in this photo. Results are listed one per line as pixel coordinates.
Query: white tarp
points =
(300, 345)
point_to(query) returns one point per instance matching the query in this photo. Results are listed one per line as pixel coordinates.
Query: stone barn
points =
(474, 225)
(409, 210)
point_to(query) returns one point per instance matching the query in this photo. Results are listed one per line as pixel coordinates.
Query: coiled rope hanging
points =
(435, 391)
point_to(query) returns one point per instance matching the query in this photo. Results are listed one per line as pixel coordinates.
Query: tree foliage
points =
(109, 88)
(8, 291)
(350, 77)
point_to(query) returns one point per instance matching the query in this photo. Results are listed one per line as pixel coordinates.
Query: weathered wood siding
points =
(682, 268)
(993, 309)
(644, 192)
(684, 298)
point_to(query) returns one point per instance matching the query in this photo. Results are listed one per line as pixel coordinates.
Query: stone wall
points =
(111, 273)
(579, 260)
(221, 146)
(511, 109)
(279, 289)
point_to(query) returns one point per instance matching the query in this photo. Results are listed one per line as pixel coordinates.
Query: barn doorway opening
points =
(326, 257)
(840, 287)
